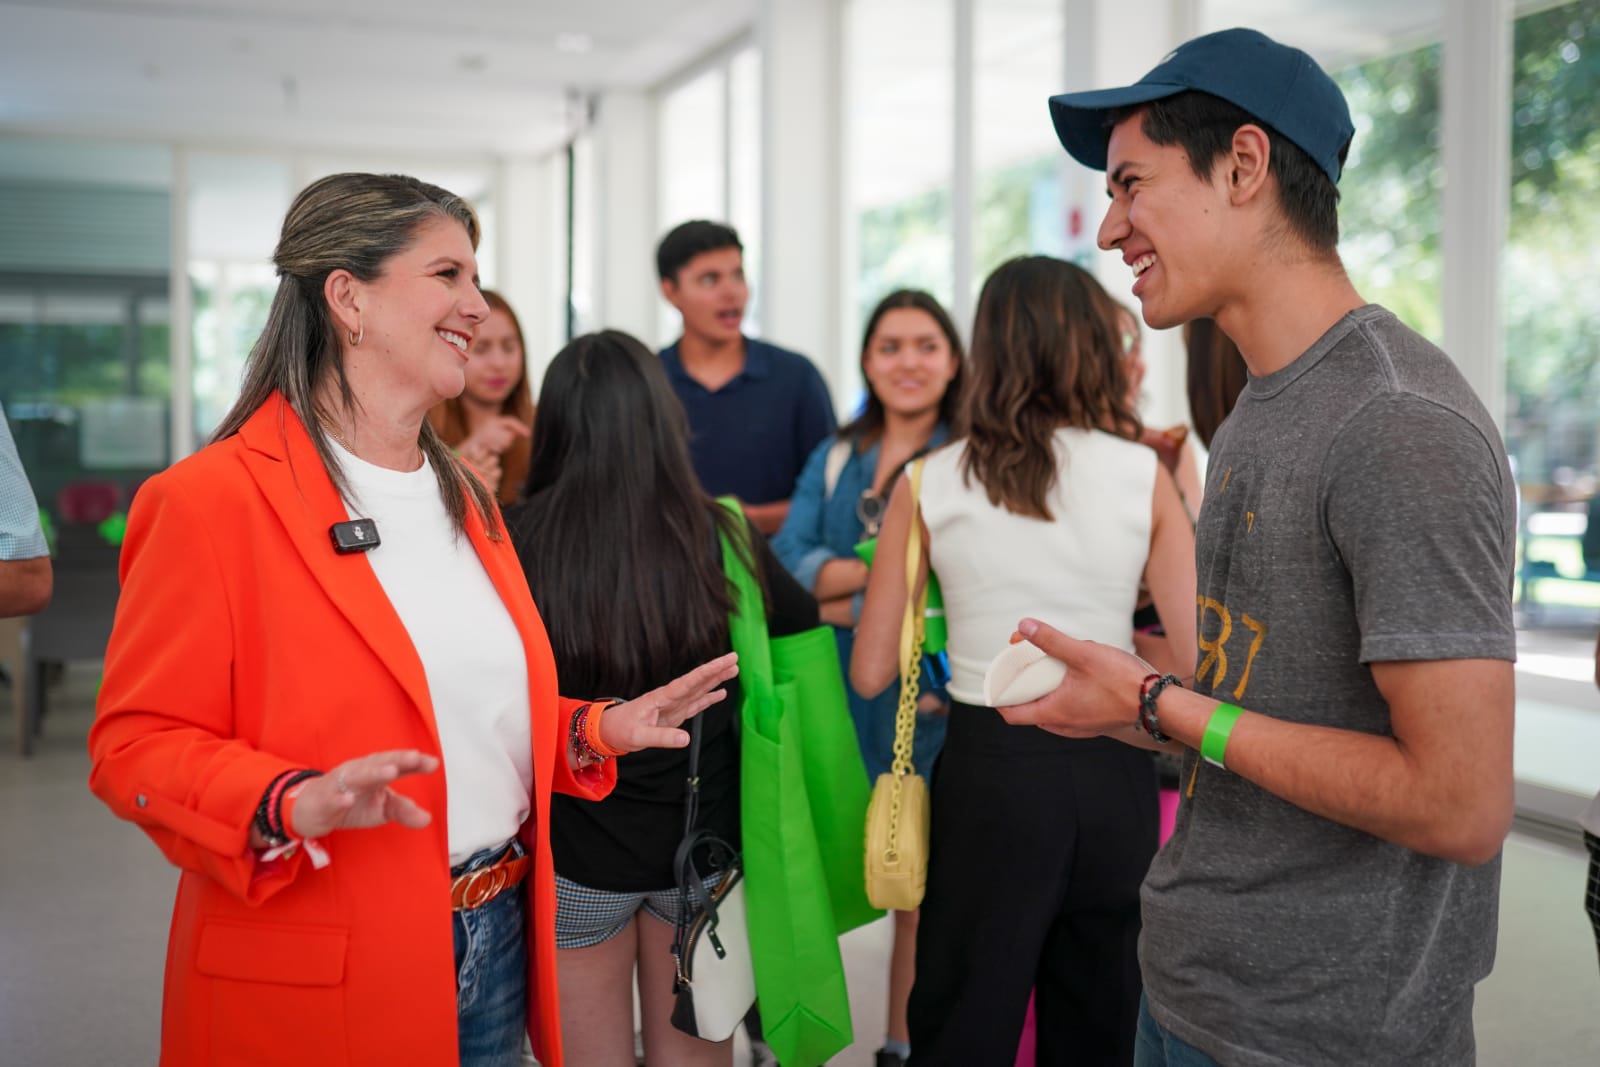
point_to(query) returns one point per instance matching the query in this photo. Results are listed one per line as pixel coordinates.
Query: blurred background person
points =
(1046, 504)
(25, 574)
(624, 610)
(755, 410)
(1171, 444)
(490, 422)
(1216, 373)
(912, 360)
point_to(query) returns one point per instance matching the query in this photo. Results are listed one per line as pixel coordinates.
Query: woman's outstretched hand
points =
(355, 795)
(652, 720)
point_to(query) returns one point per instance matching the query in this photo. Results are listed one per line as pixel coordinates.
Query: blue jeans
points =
(1155, 1045)
(491, 975)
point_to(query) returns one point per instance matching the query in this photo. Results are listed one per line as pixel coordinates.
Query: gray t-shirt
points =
(1358, 508)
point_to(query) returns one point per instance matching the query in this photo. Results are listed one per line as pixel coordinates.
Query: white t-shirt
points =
(1079, 573)
(471, 651)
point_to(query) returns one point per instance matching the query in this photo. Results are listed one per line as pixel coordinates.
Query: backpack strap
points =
(838, 456)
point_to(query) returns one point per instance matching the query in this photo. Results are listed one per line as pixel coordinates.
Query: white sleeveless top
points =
(1079, 572)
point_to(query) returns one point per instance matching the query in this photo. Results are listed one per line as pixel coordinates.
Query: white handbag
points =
(715, 984)
(714, 981)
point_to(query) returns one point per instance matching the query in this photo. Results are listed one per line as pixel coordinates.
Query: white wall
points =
(625, 159)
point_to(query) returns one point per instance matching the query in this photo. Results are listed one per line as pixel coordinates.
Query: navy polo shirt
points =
(751, 437)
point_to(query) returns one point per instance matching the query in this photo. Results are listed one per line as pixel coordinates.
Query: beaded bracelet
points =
(1149, 690)
(591, 728)
(579, 737)
(585, 734)
(263, 820)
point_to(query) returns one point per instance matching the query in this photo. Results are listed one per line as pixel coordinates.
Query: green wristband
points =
(1214, 745)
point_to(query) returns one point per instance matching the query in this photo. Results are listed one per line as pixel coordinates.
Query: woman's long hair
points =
(449, 417)
(1217, 375)
(867, 427)
(617, 538)
(1046, 353)
(353, 222)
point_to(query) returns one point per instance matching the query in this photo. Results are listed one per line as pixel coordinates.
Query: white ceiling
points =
(463, 77)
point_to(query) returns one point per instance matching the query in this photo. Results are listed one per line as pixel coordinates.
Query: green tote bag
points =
(803, 803)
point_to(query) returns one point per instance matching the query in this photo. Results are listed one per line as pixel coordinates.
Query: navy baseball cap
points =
(1278, 85)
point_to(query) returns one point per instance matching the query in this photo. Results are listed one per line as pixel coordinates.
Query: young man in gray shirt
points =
(1330, 893)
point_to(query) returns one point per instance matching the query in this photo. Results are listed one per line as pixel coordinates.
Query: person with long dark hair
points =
(323, 640)
(1045, 504)
(489, 423)
(912, 360)
(621, 548)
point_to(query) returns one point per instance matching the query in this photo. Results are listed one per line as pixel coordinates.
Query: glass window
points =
(1552, 344)
(1020, 209)
(692, 152)
(1389, 202)
(744, 171)
(85, 241)
(236, 209)
(692, 161)
(900, 72)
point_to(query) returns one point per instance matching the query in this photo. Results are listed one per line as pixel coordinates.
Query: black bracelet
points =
(1148, 692)
(276, 814)
(263, 819)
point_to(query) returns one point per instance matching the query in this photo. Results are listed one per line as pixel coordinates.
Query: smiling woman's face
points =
(494, 363)
(908, 362)
(418, 318)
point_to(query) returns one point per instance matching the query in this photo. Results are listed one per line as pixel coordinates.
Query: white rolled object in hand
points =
(1020, 673)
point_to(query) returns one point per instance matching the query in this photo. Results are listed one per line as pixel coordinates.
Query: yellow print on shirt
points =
(1213, 641)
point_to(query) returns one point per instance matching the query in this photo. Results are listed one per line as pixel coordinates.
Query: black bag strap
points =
(696, 899)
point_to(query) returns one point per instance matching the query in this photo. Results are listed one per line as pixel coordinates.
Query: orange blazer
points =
(245, 646)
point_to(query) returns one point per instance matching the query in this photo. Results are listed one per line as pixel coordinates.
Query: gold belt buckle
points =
(480, 886)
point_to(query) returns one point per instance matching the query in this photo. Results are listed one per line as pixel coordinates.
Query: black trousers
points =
(1038, 849)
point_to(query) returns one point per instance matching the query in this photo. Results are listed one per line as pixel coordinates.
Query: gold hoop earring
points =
(356, 336)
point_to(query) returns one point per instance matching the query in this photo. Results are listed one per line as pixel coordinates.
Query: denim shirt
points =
(818, 530)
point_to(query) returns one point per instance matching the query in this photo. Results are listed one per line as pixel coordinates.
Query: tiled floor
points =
(84, 902)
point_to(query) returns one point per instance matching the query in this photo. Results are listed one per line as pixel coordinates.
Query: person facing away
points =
(489, 423)
(323, 640)
(912, 360)
(26, 579)
(1216, 376)
(1330, 893)
(1046, 500)
(625, 610)
(755, 410)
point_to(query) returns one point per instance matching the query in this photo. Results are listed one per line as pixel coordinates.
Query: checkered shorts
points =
(586, 917)
(1592, 900)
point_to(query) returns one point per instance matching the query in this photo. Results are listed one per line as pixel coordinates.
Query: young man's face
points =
(710, 293)
(1168, 224)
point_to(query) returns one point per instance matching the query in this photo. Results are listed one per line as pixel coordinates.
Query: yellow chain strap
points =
(905, 716)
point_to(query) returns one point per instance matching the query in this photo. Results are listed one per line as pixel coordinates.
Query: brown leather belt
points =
(477, 887)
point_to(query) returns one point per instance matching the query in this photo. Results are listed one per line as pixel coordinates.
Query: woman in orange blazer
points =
(328, 696)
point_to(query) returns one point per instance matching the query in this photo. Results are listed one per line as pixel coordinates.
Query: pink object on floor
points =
(1030, 1036)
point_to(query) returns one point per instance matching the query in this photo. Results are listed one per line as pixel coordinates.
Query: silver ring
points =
(339, 783)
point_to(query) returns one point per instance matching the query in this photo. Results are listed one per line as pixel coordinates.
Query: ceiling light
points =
(576, 43)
